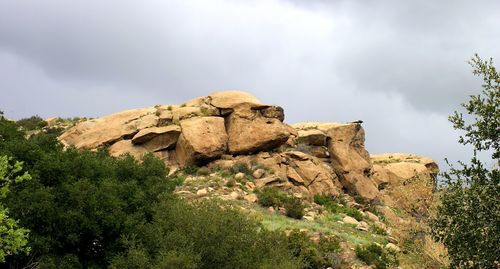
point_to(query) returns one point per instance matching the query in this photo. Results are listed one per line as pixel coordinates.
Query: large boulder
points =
(250, 131)
(126, 147)
(202, 139)
(350, 159)
(394, 168)
(230, 99)
(157, 138)
(107, 130)
(312, 173)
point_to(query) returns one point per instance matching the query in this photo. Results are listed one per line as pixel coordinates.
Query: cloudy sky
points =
(400, 66)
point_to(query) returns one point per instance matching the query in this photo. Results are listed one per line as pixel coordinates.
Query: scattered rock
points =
(393, 247)
(252, 198)
(258, 173)
(239, 176)
(202, 192)
(371, 216)
(350, 220)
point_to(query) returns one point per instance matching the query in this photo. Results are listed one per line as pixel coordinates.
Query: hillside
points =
(231, 146)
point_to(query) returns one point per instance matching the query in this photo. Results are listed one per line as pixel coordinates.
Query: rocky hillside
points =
(234, 131)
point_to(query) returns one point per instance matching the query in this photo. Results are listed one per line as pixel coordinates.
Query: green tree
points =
(468, 219)
(13, 239)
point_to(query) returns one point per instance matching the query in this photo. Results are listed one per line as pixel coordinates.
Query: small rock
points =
(282, 210)
(250, 185)
(234, 195)
(252, 198)
(372, 216)
(350, 220)
(392, 239)
(239, 175)
(202, 192)
(393, 247)
(258, 173)
(363, 226)
(270, 209)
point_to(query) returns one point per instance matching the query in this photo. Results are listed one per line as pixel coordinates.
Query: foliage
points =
(13, 239)
(468, 219)
(331, 203)
(204, 235)
(241, 168)
(191, 169)
(314, 255)
(269, 196)
(374, 254)
(32, 123)
(203, 171)
(294, 207)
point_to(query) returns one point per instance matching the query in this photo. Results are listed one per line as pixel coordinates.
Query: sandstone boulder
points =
(126, 146)
(316, 176)
(393, 168)
(157, 138)
(107, 130)
(250, 132)
(202, 139)
(350, 159)
(230, 99)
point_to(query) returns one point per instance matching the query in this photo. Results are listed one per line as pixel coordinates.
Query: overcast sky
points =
(400, 66)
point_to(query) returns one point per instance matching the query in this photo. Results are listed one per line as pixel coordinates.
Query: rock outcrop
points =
(231, 127)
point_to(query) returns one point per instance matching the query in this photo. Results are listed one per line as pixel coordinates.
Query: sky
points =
(400, 66)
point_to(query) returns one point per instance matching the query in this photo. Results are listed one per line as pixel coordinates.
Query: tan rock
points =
(372, 216)
(239, 176)
(202, 139)
(312, 137)
(392, 168)
(252, 198)
(107, 130)
(350, 159)
(253, 133)
(259, 173)
(202, 192)
(230, 99)
(259, 183)
(182, 113)
(350, 220)
(309, 171)
(393, 247)
(158, 138)
(126, 146)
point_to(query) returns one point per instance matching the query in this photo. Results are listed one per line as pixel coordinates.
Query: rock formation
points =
(231, 127)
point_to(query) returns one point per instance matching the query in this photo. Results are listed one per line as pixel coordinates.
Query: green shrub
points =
(322, 199)
(32, 123)
(377, 230)
(269, 196)
(241, 168)
(231, 183)
(321, 255)
(191, 169)
(294, 207)
(352, 212)
(203, 171)
(374, 254)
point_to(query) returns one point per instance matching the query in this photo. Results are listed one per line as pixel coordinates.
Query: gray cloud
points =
(398, 65)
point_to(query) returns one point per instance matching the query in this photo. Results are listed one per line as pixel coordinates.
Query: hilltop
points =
(231, 146)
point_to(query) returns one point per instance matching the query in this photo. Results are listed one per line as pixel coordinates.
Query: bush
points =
(374, 254)
(32, 123)
(203, 171)
(269, 196)
(191, 169)
(352, 212)
(241, 168)
(467, 221)
(204, 235)
(294, 207)
(321, 255)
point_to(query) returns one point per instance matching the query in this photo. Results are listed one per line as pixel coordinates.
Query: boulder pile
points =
(231, 127)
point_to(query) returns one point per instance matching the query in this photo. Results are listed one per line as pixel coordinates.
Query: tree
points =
(13, 239)
(468, 219)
